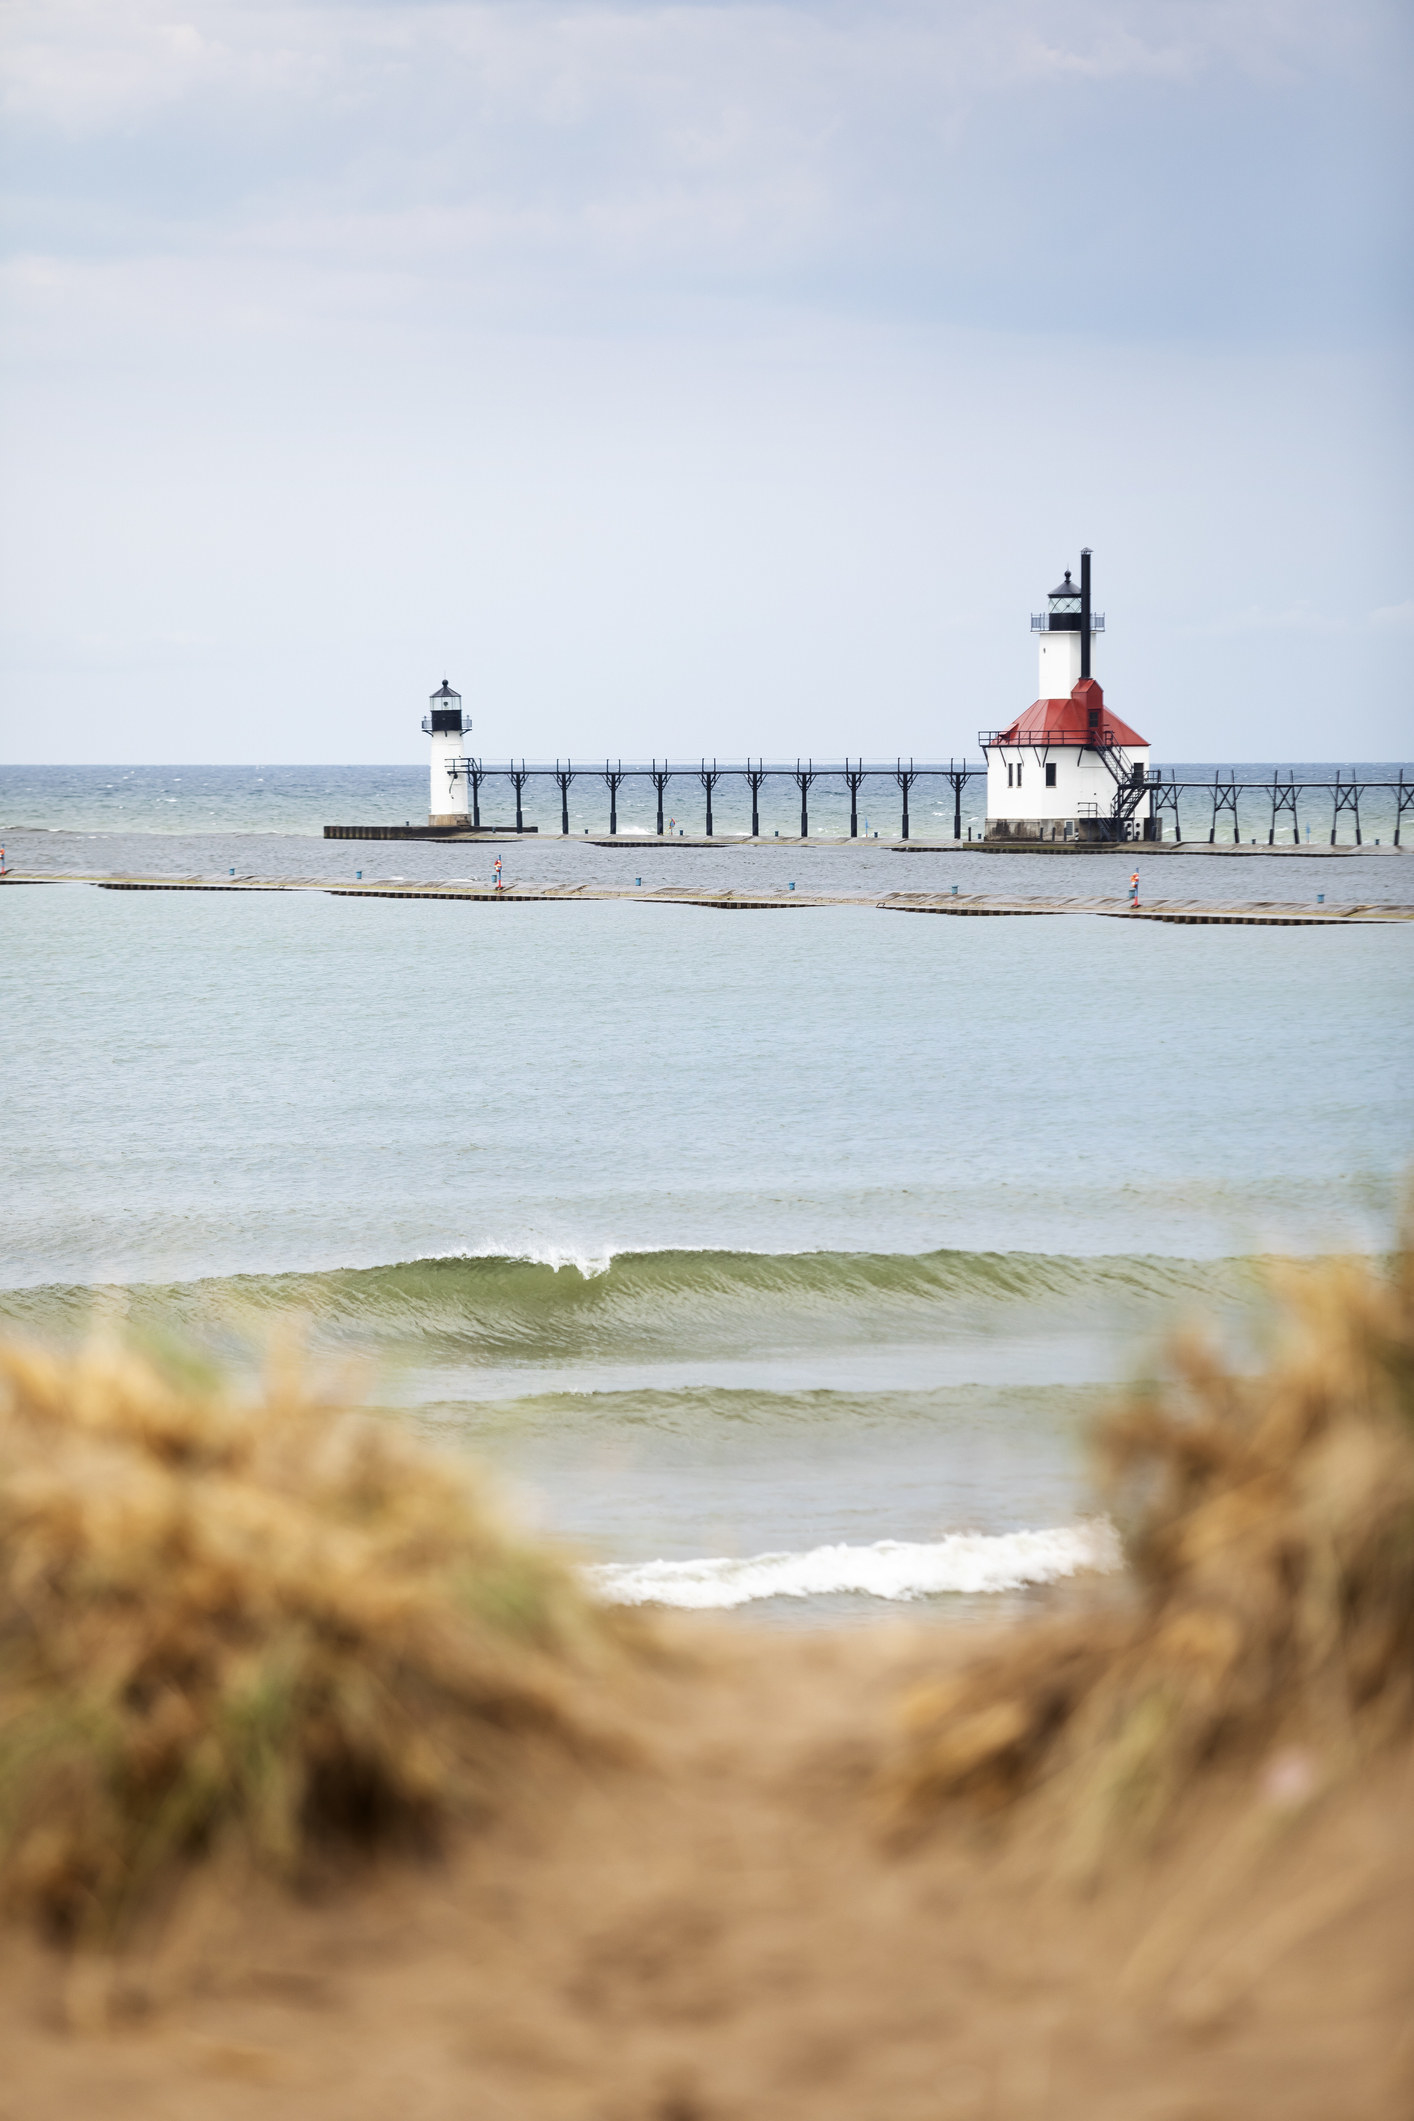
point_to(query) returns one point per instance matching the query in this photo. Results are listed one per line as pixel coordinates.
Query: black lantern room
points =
(1063, 607)
(444, 716)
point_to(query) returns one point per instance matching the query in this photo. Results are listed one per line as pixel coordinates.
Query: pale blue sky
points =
(711, 376)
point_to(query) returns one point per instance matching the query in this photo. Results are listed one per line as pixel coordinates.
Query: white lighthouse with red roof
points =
(1068, 768)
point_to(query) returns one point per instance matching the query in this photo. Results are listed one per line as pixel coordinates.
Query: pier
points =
(1272, 808)
(728, 899)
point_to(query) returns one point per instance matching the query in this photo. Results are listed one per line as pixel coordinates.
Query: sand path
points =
(719, 1932)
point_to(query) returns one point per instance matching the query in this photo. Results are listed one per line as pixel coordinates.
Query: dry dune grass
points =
(1269, 1527)
(267, 1626)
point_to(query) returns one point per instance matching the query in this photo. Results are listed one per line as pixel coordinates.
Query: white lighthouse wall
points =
(1082, 779)
(1060, 665)
(449, 797)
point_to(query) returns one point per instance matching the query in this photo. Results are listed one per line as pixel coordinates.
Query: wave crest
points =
(895, 1569)
(562, 1298)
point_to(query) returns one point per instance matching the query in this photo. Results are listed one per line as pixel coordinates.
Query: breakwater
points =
(729, 899)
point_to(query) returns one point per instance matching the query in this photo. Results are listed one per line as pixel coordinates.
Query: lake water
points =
(773, 1262)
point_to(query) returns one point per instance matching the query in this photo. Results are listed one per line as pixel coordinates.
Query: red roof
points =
(1060, 722)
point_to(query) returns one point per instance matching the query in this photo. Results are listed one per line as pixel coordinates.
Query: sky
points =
(700, 377)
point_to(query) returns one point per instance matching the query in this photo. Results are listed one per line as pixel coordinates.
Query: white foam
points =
(589, 1265)
(559, 1257)
(890, 1568)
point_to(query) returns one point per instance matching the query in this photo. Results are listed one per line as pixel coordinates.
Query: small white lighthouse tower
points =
(449, 797)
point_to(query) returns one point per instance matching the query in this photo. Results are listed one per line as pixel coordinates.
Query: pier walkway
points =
(1263, 913)
(1244, 808)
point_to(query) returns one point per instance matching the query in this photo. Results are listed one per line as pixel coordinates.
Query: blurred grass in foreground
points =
(262, 1624)
(1268, 1522)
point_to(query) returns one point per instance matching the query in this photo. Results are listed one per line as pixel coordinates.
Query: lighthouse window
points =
(1008, 776)
(1050, 776)
(1018, 774)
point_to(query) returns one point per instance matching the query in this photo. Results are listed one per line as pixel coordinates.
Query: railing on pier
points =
(709, 773)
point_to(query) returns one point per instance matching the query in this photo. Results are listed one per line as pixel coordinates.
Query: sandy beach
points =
(722, 1931)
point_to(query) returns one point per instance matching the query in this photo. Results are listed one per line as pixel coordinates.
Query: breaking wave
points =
(966, 1562)
(563, 1302)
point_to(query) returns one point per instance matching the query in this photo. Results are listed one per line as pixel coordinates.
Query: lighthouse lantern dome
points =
(444, 715)
(1063, 606)
(1064, 610)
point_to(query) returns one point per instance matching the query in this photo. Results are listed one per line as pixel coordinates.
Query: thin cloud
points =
(636, 354)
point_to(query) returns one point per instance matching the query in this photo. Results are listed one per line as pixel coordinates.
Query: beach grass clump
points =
(258, 1623)
(1268, 1524)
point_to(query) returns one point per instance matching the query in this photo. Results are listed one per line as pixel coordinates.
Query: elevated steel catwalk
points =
(1133, 787)
(709, 773)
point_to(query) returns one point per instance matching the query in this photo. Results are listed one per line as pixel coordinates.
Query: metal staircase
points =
(1132, 783)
